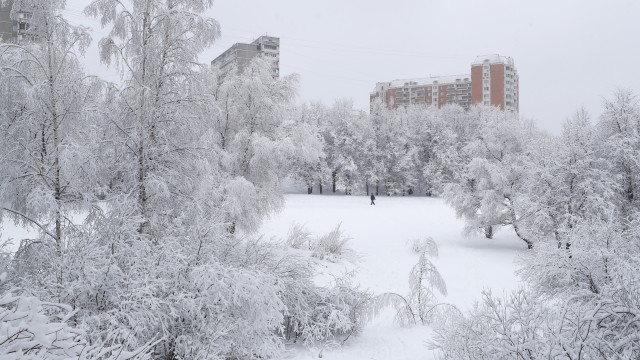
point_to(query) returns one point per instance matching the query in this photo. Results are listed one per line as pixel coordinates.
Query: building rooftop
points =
(433, 80)
(493, 59)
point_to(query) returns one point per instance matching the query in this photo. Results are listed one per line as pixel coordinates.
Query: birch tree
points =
(48, 96)
(155, 45)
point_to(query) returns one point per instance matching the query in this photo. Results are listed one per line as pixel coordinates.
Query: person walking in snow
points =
(373, 197)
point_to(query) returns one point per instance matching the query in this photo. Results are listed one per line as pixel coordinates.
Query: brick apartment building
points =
(493, 81)
(437, 90)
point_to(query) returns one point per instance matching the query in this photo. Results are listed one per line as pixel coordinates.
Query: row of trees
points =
(495, 169)
(391, 151)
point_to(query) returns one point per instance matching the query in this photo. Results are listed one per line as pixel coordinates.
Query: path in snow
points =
(380, 235)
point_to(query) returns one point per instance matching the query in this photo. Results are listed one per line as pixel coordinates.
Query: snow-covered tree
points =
(619, 147)
(343, 137)
(257, 137)
(312, 171)
(488, 193)
(155, 45)
(46, 173)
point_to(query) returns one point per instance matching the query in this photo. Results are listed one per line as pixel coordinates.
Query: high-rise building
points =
(493, 81)
(14, 31)
(241, 54)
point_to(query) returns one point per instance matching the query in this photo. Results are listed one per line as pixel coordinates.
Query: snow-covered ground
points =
(380, 236)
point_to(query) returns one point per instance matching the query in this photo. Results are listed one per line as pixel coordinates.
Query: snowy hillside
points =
(380, 237)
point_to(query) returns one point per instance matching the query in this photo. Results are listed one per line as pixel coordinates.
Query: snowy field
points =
(380, 236)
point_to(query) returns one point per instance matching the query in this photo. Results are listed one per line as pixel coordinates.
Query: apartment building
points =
(437, 90)
(493, 81)
(241, 54)
(14, 31)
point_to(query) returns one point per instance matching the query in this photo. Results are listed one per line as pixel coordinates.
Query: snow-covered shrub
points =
(306, 313)
(424, 246)
(495, 329)
(582, 301)
(524, 325)
(312, 314)
(332, 246)
(600, 253)
(424, 280)
(299, 237)
(32, 329)
(337, 310)
(237, 314)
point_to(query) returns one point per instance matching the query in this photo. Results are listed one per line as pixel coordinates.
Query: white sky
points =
(568, 53)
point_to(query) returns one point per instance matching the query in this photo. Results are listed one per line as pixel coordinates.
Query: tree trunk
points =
(334, 177)
(517, 230)
(488, 232)
(514, 223)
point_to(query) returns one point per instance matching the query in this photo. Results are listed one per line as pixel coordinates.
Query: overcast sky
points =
(568, 53)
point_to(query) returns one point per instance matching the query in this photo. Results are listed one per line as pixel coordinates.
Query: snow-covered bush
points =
(299, 237)
(582, 301)
(496, 328)
(332, 246)
(32, 329)
(424, 280)
(600, 253)
(524, 325)
(421, 246)
(336, 310)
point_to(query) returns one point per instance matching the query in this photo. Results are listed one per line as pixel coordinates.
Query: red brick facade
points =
(497, 85)
(476, 84)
